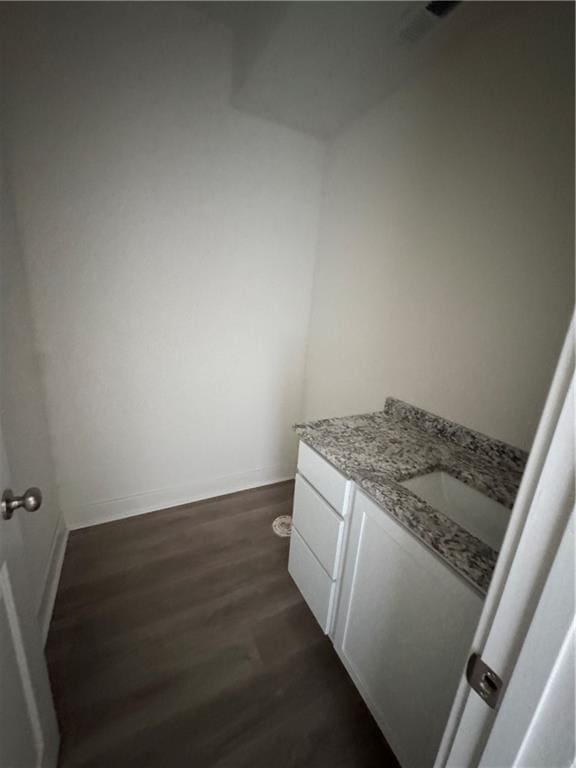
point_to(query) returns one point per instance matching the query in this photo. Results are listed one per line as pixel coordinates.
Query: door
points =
(535, 723)
(520, 605)
(28, 728)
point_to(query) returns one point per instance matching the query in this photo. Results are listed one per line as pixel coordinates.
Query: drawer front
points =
(311, 579)
(318, 524)
(322, 475)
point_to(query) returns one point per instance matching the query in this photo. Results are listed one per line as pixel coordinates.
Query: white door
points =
(535, 723)
(525, 633)
(28, 728)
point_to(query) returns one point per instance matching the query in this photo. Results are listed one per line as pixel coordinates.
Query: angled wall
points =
(445, 272)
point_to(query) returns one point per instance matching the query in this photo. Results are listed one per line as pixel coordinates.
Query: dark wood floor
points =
(179, 639)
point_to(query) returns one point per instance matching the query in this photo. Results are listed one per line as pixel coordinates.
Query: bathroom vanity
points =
(398, 517)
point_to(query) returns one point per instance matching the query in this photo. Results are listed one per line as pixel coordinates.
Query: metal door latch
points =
(483, 680)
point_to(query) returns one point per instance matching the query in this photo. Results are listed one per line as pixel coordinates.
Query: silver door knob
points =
(30, 501)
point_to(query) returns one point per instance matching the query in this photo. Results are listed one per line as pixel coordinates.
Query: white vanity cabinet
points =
(401, 620)
(319, 531)
(403, 630)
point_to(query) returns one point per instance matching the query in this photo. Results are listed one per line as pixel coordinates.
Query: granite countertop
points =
(379, 450)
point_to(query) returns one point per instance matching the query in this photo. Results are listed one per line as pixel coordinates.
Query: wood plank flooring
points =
(179, 639)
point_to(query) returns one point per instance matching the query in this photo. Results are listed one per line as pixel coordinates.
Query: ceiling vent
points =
(441, 9)
(420, 22)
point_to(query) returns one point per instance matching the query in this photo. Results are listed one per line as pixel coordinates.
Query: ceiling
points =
(315, 66)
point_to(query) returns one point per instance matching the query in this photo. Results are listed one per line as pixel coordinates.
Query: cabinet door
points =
(403, 630)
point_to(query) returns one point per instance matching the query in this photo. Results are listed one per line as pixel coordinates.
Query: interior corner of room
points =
(219, 220)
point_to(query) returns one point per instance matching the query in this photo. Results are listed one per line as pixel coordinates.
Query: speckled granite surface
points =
(380, 450)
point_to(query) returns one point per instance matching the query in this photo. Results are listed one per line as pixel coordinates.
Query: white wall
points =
(23, 413)
(445, 270)
(169, 242)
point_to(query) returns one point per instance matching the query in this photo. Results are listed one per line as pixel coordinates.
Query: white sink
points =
(479, 515)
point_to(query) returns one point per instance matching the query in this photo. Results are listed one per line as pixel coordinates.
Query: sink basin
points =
(479, 515)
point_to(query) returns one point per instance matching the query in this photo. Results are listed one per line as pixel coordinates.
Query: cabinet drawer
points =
(318, 524)
(311, 579)
(322, 475)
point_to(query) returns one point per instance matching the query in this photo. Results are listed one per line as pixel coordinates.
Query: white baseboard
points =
(55, 561)
(151, 501)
